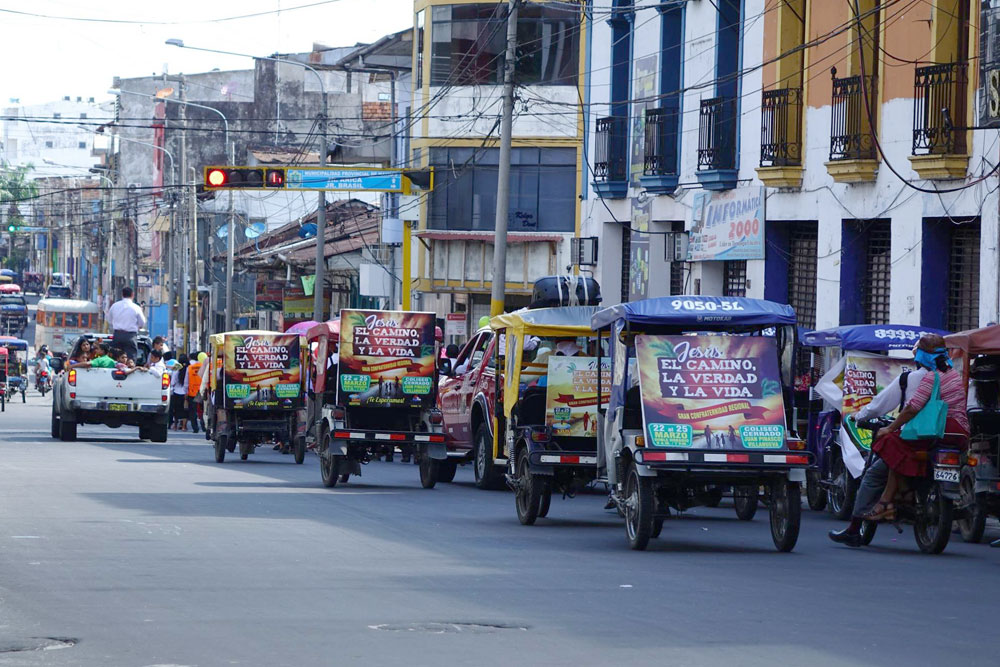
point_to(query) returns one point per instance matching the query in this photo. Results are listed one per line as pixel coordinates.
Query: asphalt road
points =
(118, 552)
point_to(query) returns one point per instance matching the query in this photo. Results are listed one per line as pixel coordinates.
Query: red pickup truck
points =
(466, 398)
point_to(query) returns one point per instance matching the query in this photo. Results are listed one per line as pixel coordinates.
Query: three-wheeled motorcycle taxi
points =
(257, 392)
(17, 367)
(977, 354)
(375, 385)
(855, 366)
(546, 413)
(704, 407)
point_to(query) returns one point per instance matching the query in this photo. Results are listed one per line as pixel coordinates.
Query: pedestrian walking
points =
(125, 319)
(178, 395)
(193, 388)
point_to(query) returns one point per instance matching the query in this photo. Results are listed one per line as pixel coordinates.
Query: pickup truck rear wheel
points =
(488, 476)
(158, 432)
(67, 430)
(55, 422)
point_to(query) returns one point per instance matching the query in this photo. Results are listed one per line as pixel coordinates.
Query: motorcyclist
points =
(873, 485)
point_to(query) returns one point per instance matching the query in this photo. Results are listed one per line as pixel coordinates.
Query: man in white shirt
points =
(156, 363)
(125, 319)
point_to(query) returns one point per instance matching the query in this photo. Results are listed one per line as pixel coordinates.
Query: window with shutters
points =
(878, 272)
(734, 278)
(802, 272)
(963, 278)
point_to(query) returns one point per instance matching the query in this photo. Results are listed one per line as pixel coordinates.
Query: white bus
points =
(59, 322)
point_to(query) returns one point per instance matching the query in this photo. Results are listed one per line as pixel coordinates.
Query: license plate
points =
(946, 475)
(118, 407)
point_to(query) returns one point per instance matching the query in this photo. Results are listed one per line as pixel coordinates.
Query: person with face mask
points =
(898, 458)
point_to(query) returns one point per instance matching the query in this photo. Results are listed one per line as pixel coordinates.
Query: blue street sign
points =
(345, 180)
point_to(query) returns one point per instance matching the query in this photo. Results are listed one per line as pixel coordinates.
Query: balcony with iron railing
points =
(611, 157)
(781, 137)
(854, 108)
(660, 152)
(717, 123)
(939, 109)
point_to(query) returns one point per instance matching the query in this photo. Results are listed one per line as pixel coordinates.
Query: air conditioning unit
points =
(676, 247)
(583, 251)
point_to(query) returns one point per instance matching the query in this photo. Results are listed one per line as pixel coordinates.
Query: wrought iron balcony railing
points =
(717, 133)
(939, 103)
(611, 149)
(781, 127)
(662, 141)
(851, 124)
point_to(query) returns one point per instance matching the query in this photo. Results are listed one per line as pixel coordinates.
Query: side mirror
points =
(444, 366)
(56, 364)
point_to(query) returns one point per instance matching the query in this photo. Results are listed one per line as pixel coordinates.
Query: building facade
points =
(458, 65)
(812, 153)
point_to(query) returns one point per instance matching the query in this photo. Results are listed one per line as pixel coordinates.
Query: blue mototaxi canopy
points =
(869, 337)
(14, 343)
(696, 311)
(13, 308)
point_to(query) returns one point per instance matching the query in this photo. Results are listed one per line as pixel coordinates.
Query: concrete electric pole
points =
(503, 172)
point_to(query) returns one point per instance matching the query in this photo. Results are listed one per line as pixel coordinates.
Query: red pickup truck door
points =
(450, 392)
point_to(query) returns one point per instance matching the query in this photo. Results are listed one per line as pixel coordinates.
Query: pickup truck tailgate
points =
(101, 384)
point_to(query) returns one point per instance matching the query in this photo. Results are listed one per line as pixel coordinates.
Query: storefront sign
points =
(638, 260)
(454, 325)
(727, 225)
(269, 294)
(989, 66)
(263, 371)
(571, 394)
(386, 358)
(711, 392)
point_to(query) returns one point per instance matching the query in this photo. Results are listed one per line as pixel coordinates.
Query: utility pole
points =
(184, 248)
(503, 172)
(318, 291)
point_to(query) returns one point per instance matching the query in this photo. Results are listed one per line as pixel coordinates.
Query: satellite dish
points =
(255, 229)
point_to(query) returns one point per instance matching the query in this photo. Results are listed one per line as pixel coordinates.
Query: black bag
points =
(552, 291)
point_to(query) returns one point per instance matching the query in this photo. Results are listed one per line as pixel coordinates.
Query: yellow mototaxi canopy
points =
(562, 322)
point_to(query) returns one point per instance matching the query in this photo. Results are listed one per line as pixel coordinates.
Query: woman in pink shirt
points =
(905, 457)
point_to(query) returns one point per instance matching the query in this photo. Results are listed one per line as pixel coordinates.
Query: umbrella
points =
(7, 272)
(301, 327)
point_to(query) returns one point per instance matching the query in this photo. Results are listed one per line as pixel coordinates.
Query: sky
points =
(46, 59)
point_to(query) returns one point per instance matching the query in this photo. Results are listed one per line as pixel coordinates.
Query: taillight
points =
(640, 441)
(163, 398)
(165, 381)
(972, 460)
(71, 378)
(948, 458)
(796, 444)
(540, 434)
(435, 417)
(339, 413)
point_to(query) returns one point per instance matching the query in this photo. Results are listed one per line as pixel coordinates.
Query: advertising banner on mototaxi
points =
(386, 359)
(711, 392)
(263, 371)
(863, 378)
(571, 394)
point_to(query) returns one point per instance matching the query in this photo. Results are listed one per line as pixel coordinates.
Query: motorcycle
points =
(929, 504)
(43, 383)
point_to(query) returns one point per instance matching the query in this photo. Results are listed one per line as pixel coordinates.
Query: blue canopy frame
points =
(869, 337)
(699, 312)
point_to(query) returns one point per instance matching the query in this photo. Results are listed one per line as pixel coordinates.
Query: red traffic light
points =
(252, 178)
(216, 178)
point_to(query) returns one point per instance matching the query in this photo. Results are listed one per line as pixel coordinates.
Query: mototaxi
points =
(364, 399)
(546, 411)
(979, 478)
(17, 367)
(703, 406)
(853, 365)
(256, 392)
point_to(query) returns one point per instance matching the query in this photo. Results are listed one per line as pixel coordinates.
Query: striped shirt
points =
(952, 392)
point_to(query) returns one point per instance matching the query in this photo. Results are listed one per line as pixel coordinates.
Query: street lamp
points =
(321, 211)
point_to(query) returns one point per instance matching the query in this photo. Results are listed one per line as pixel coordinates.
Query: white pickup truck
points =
(109, 397)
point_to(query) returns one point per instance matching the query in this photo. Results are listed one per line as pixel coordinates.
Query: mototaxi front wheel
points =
(527, 491)
(221, 443)
(785, 510)
(973, 525)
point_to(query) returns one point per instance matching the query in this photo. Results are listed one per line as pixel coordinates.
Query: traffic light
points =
(13, 227)
(257, 178)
